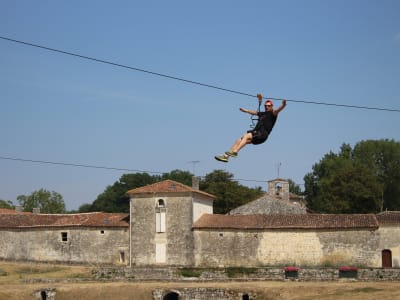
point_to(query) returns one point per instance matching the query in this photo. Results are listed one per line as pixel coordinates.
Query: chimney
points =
(36, 210)
(196, 182)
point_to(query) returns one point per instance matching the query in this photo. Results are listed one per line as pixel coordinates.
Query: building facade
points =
(171, 224)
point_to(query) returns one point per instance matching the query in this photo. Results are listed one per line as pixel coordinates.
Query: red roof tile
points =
(12, 211)
(166, 186)
(389, 217)
(299, 221)
(96, 219)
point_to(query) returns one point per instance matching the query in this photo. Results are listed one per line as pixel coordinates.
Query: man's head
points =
(268, 105)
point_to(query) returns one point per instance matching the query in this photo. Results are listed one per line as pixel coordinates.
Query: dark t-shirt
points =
(266, 121)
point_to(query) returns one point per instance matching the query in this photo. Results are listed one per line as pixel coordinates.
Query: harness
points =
(255, 118)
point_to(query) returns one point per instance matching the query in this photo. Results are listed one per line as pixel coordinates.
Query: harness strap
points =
(254, 119)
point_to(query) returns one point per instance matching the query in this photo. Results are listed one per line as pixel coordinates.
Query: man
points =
(258, 135)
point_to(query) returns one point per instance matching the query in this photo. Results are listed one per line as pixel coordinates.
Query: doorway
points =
(386, 258)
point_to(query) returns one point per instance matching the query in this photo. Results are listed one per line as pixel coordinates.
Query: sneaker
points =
(221, 158)
(231, 153)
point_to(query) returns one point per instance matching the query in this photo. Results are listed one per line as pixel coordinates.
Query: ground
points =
(20, 280)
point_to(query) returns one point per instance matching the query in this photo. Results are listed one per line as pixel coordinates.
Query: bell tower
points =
(279, 188)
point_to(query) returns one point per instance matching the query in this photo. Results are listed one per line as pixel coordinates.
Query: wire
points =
(191, 81)
(125, 66)
(75, 165)
(101, 167)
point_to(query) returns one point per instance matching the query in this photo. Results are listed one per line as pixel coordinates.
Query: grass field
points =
(19, 281)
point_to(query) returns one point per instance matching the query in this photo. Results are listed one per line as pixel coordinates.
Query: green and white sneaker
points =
(222, 158)
(231, 153)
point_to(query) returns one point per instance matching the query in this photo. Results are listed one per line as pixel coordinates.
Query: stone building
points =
(277, 200)
(300, 239)
(96, 238)
(389, 222)
(162, 215)
(171, 224)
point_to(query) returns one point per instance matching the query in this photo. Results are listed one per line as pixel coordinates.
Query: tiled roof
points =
(166, 186)
(389, 217)
(12, 211)
(96, 219)
(299, 221)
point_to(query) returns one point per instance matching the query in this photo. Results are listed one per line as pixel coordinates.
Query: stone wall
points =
(269, 205)
(82, 245)
(390, 239)
(202, 294)
(250, 274)
(177, 238)
(286, 247)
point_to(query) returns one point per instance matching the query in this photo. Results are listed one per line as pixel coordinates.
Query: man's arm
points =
(252, 112)
(280, 108)
(248, 111)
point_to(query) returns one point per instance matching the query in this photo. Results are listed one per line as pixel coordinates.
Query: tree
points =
(114, 198)
(294, 187)
(382, 157)
(6, 204)
(48, 202)
(229, 193)
(184, 177)
(356, 180)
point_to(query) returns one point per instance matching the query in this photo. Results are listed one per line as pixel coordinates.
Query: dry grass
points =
(14, 286)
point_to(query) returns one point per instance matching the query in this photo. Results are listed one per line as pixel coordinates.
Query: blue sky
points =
(60, 108)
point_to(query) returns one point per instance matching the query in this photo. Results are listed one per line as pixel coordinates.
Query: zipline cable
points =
(101, 167)
(191, 81)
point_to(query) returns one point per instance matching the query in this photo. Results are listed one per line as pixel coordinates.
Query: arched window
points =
(160, 203)
(278, 188)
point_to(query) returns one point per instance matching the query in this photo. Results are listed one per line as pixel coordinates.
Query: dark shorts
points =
(259, 137)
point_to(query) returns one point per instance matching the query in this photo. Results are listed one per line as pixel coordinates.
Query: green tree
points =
(6, 204)
(48, 202)
(294, 188)
(356, 180)
(382, 157)
(184, 177)
(114, 198)
(229, 193)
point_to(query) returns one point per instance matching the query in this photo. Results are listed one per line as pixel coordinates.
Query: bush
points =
(235, 271)
(190, 272)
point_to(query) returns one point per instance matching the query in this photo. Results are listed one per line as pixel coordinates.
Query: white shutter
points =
(162, 221)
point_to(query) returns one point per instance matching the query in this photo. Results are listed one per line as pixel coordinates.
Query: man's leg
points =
(243, 141)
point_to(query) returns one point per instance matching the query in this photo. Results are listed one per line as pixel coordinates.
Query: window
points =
(101, 231)
(122, 257)
(160, 220)
(160, 203)
(64, 236)
(278, 188)
(160, 216)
